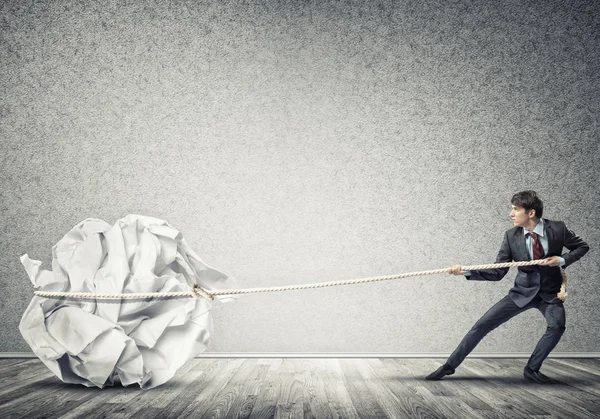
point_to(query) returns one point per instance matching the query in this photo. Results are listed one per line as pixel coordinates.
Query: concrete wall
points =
(296, 142)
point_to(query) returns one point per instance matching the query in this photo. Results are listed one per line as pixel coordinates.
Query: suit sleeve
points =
(577, 247)
(504, 255)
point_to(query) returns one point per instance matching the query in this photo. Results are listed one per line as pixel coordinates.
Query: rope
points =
(198, 292)
(562, 294)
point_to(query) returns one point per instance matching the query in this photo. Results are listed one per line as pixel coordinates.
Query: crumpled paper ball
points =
(100, 342)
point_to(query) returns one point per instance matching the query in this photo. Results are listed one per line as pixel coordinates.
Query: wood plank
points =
(155, 403)
(23, 374)
(234, 394)
(526, 397)
(574, 367)
(119, 401)
(210, 389)
(336, 393)
(249, 386)
(289, 403)
(31, 399)
(463, 387)
(206, 370)
(571, 395)
(8, 365)
(429, 397)
(364, 401)
(315, 388)
(266, 400)
(100, 402)
(394, 397)
(314, 404)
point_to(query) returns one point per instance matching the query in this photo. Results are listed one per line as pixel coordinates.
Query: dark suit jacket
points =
(534, 280)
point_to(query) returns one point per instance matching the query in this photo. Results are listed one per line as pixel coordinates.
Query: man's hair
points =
(528, 200)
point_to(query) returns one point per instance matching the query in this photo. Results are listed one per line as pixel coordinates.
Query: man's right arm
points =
(504, 255)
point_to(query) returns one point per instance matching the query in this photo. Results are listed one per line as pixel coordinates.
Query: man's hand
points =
(456, 270)
(551, 261)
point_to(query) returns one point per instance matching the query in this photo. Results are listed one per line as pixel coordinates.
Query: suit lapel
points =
(520, 249)
(551, 237)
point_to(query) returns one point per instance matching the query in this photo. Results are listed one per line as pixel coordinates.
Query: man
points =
(535, 286)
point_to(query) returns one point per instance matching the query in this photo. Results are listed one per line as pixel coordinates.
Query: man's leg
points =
(556, 320)
(501, 312)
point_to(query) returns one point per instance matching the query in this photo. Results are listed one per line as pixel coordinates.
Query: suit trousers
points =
(504, 310)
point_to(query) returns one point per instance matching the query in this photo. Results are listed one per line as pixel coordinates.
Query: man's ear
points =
(531, 213)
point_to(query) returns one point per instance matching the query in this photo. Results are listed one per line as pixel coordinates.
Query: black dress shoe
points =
(440, 372)
(536, 376)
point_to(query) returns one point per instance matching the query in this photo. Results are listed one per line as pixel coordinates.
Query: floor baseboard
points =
(354, 355)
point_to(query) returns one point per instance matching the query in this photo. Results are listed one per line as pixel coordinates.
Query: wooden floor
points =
(314, 388)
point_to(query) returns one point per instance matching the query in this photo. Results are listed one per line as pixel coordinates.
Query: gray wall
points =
(297, 142)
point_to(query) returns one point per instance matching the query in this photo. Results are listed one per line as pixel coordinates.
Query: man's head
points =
(527, 209)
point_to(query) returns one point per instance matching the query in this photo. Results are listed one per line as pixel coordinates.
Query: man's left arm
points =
(577, 247)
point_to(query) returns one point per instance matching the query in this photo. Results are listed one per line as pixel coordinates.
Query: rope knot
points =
(199, 292)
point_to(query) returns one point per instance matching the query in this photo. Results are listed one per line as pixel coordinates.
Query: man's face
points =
(520, 217)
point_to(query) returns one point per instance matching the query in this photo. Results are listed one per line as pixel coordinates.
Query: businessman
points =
(532, 237)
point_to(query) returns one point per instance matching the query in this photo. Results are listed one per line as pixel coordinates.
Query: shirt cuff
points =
(562, 262)
(468, 274)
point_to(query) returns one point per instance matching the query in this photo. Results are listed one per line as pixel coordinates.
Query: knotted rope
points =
(198, 292)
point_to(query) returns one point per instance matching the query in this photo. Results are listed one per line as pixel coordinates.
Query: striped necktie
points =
(538, 250)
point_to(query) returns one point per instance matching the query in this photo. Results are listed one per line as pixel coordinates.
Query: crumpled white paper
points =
(100, 342)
